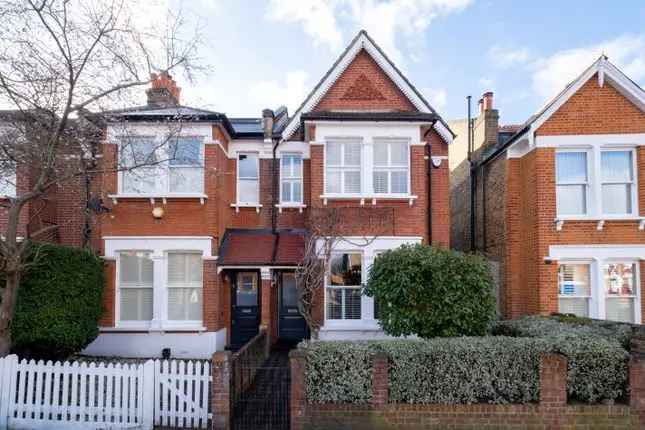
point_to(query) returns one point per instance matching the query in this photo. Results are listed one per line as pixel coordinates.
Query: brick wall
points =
(551, 412)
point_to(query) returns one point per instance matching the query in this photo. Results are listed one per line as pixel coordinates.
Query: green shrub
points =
(465, 370)
(429, 292)
(59, 302)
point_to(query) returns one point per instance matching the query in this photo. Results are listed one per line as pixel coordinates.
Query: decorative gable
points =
(362, 89)
(364, 86)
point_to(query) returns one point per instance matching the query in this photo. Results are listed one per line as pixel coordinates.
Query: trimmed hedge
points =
(430, 291)
(59, 302)
(466, 370)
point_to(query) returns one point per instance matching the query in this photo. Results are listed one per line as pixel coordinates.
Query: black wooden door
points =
(292, 326)
(245, 308)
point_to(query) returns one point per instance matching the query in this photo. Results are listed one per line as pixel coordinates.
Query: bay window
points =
(574, 289)
(135, 286)
(391, 167)
(344, 286)
(617, 172)
(291, 178)
(343, 166)
(150, 166)
(184, 286)
(619, 282)
(248, 188)
(571, 183)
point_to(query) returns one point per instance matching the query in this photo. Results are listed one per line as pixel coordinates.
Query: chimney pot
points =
(163, 91)
(487, 100)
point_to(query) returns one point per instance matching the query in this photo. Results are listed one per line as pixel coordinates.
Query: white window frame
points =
(292, 179)
(586, 184)
(163, 168)
(186, 286)
(594, 180)
(8, 185)
(597, 287)
(389, 168)
(633, 183)
(342, 141)
(237, 181)
(345, 287)
(591, 292)
(117, 280)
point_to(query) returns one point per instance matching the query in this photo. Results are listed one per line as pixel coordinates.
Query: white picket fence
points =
(39, 395)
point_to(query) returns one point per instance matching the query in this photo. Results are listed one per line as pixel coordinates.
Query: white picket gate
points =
(45, 395)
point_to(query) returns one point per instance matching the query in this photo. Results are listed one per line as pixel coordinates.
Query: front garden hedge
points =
(430, 291)
(59, 302)
(465, 370)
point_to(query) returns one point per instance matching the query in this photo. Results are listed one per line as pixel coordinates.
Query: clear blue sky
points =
(265, 53)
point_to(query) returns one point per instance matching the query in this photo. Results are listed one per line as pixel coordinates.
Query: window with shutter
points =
(185, 286)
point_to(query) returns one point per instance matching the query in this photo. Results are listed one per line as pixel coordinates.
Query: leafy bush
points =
(431, 292)
(59, 302)
(491, 369)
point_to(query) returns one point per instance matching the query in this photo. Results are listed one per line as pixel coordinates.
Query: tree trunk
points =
(7, 308)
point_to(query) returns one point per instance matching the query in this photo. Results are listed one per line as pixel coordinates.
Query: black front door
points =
(245, 308)
(292, 326)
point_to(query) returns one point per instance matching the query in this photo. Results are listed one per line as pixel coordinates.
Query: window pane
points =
(352, 182)
(619, 279)
(186, 180)
(332, 182)
(619, 309)
(136, 304)
(248, 165)
(616, 166)
(352, 303)
(296, 166)
(352, 154)
(399, 182)
(345, 269)
(247, 290)
(248, 189)
(571, 199)
(286, 192)
(399, 153)
(380, 182)
(140, 180)
(334, 304)
(185, 304)
(574, 305)
(380, 154)
(616, 198)
(573, 280)
(184, 269)
(332, 151)
(289, 290)
(138, 151)
(571, 166)
(185, 151)
(135, 268)
(297, 191)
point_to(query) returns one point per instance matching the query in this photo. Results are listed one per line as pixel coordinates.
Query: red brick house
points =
(201, 249)
(560, 201)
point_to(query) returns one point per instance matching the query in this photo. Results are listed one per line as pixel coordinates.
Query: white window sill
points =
(148, 329)
(369, 197)
(600, 220)
(298, 206)
(238, 205)
(152, 197)
(350, 325)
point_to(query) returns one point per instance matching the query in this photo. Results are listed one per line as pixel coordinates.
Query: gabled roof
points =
(362, 41)
(605, 71)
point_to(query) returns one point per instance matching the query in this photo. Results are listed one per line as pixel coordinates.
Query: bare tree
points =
(59, 60)
(326, 229)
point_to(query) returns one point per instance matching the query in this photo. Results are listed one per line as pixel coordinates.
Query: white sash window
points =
(135, 286)
(291, 178)
(343, 167)
(184, 286)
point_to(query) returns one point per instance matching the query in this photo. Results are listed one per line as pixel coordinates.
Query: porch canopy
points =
(261, 247)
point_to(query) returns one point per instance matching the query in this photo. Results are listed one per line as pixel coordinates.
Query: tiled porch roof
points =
(261, 247)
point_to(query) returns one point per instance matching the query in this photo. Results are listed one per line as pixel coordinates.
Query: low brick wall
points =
(552, 412)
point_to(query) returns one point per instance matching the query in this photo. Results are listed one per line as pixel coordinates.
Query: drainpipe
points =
(274, 176)
(473, 177)
(430, 167)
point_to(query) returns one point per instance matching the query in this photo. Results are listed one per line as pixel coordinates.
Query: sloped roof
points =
(261, 247)
(363, 41)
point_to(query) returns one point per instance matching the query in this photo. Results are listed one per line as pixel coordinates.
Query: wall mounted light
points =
(436, 162)
(157, 212)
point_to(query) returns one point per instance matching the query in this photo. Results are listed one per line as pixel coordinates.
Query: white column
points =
(595, 205)
(159, 293)
(367, 303)
(367, 161)
(598, 292)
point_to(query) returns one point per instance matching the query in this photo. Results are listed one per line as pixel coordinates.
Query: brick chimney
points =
(163, 92)
(487, 123)
(268, 118)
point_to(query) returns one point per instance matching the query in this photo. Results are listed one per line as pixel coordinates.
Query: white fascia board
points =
(361, 42)
(613, 140)
(597, 251)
